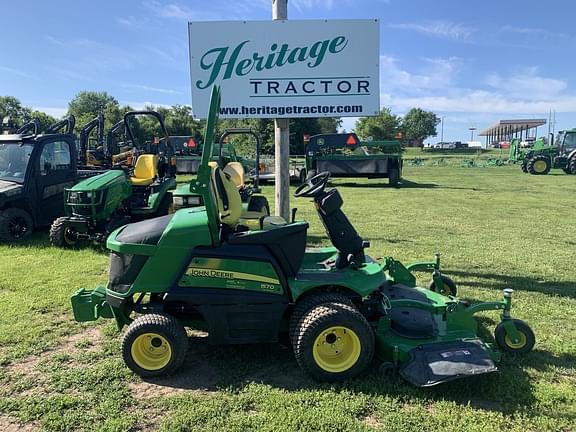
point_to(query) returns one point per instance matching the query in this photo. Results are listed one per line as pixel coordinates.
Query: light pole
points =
(472, 129)
(442, 129)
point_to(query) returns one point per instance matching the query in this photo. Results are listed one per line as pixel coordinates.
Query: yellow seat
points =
(226, 196)
(145, 171)
(236, 172)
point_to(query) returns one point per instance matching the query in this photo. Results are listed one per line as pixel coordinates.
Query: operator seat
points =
(235, 171)
(145, 171)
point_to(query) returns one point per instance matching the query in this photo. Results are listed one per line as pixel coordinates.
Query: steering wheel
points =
(313, 186)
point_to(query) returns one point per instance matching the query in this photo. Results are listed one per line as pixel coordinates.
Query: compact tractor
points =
(98, 205)
(541, 156)
(339, 307)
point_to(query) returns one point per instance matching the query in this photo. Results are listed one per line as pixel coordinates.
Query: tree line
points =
(411, 129)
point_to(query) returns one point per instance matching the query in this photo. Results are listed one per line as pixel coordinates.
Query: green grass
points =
(496, 228)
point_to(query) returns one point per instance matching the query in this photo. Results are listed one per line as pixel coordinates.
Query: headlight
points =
(193, 200)
(178, 201)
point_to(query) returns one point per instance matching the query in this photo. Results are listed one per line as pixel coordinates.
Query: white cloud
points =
(53, 111)
(152, 89)
(439, 73)
(132, 21)
(242, 9)
(444, 29)
(18, 73)
(528, 84)
(530, 31)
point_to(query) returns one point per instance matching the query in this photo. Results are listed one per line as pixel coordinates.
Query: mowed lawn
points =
(496, 228)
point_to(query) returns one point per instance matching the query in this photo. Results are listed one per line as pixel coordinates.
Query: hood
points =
(101, 181)
(8, 188)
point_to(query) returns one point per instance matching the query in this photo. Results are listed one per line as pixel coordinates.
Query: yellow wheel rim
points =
(540, 166)
(337, 349)
(518, 345)
(151, 351)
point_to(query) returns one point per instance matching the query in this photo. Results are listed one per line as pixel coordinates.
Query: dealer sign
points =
(272, 69)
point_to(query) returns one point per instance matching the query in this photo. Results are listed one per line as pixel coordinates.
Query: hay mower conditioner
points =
(339, 307)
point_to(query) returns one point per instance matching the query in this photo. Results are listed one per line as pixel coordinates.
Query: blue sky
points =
(473, 62)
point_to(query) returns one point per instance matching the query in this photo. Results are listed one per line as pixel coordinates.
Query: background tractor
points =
(100, 204)
(541, 156)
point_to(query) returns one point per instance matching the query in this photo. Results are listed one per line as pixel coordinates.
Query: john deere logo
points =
(226, 62)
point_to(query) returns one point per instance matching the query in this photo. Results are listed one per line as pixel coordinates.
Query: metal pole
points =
(281, 140)
(442, 129)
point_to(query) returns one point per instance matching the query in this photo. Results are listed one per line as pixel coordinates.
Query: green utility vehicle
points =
(35, 169)
(189, 150)
(100, 204)
(339, 307)
(540, 157)
(255, 206)
(344, 155)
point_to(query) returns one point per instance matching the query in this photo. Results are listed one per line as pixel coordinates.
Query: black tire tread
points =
(5, 217)
(446, 281)
(309, 302)
(56, 233)
(166, 325)
(532, 161)
(572, 166)
(324, 315)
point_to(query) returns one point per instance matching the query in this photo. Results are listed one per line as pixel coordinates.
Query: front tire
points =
(572, 166)
(62, 235)
(538, 165)
(15, 225)
(394, 177)
(154, 345)
(334, 342)
(526, 341)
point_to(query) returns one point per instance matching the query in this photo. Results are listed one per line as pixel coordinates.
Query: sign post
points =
(281, 140)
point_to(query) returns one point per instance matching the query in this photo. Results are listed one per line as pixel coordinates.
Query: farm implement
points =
(339, 307)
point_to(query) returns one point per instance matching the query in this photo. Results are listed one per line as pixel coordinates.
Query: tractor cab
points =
(34, 171)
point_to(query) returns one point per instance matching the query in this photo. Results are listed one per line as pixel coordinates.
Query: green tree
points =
(45, 120)
(88, 104)
(383, 126)
(310, 126)
(417, 125)
(12, 107)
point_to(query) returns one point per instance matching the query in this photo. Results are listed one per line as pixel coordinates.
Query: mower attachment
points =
(90, 305)
(437, 363)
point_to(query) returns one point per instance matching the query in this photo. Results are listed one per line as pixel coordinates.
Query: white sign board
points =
(274, 69)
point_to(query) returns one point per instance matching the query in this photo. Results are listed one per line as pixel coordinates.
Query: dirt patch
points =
(372, 421)
(7, 424)
(70, 346)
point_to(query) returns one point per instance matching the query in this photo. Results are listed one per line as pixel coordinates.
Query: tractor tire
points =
(333, 342)
(539, 165)
(259, 204)
(572, 166)
(449, 283)
(309, 302)
(15, 225)
(310, 174)
(61, 235)
(394, 176)
(523, 166)
(524, 345)
(154, 345)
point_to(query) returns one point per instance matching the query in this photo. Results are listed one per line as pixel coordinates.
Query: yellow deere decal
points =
(211, 273)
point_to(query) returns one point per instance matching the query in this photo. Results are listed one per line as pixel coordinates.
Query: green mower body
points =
(339, 307)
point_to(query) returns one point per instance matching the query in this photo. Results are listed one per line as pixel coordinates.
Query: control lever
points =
(294, 210)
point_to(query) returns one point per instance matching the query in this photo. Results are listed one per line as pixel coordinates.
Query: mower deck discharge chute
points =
(339, 307)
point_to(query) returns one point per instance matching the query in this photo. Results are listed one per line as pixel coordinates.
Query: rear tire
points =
(309, 302)
(334, 342)
(154, 345)
(15, 225)
(62, 235)
(523, 166)
(538, 165)
(572, 166)
(302, 178)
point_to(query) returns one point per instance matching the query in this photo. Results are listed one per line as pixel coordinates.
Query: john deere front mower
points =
(98, 205)
(339, 307)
